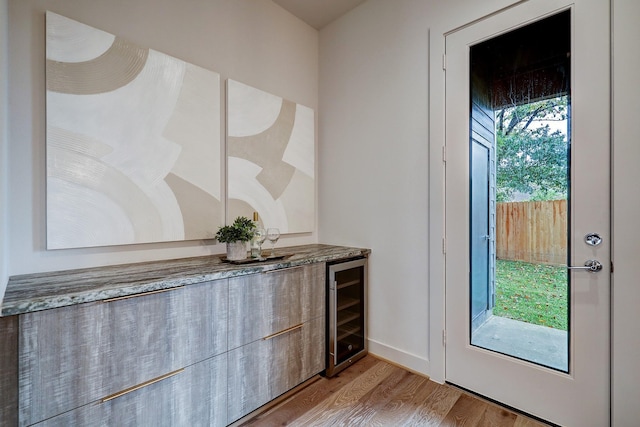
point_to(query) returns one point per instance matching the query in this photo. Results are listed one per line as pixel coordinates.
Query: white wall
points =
(375, 161)
(626, 211)
(4, 241)
(253, 41)
(373, 164)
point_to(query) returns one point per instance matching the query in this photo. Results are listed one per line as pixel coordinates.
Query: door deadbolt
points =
(592, 239)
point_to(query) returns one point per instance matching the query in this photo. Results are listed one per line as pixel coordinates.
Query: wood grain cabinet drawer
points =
(263, 304)
(74, 355)
(8, 371)
(195, 396)
(266, 368)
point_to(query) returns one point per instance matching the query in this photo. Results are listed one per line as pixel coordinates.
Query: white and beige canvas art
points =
(270, 159)
(133, 142)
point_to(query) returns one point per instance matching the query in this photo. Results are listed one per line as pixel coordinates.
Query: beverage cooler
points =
(346, 319)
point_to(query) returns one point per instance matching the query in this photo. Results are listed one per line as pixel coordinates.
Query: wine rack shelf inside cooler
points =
(346, 334)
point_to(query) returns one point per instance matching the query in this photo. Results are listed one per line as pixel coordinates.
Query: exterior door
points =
(482, 200)
(579, 394)
(479, 236)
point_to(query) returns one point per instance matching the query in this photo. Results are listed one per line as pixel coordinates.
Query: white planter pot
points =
(236, 251)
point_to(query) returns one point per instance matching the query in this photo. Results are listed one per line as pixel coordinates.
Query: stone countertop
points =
(40, 291)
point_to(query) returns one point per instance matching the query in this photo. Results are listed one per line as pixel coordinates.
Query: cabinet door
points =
(196, 396)
(8, 371)
(203, 321)
(74, 355)
(264, 369)
(262, 304)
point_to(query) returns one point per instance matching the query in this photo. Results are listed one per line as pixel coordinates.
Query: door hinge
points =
(444, 245)
(444, 153)
(444, 337)
(611, 267)
(444, 61)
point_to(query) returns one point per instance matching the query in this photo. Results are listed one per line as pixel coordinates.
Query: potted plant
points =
(236, 237)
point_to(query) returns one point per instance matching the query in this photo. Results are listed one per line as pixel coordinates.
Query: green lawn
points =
(532, 293)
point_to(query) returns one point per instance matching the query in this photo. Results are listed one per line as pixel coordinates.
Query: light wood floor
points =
(375, 393)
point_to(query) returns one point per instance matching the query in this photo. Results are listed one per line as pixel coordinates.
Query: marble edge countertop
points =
(40, 291)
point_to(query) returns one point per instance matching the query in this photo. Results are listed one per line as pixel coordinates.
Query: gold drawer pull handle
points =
(139, 386)
(286, 331)
(142, 294)
(278, 270)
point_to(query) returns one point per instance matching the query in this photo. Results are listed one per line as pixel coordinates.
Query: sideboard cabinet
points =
(200, 354)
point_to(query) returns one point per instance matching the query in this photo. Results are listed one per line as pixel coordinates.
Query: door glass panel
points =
(520, 192)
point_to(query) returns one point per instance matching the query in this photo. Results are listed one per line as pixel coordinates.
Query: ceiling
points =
(318, 13)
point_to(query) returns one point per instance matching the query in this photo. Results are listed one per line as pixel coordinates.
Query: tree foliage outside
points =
(531, 158)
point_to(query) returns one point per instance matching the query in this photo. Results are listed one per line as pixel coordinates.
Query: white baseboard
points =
(411, 362)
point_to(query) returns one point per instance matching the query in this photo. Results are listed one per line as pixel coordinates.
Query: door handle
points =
(592, 266)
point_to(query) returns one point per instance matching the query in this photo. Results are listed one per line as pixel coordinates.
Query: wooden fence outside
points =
(534, 232)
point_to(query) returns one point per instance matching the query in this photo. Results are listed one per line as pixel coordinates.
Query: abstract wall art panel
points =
(270, 159)
(133, 142)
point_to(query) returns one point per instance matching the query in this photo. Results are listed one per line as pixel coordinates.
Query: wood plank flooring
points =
(373, 392)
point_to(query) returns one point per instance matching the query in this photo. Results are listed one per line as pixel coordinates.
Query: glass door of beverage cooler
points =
(347, 322)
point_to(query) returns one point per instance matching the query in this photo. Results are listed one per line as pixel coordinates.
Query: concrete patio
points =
(537, 344)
